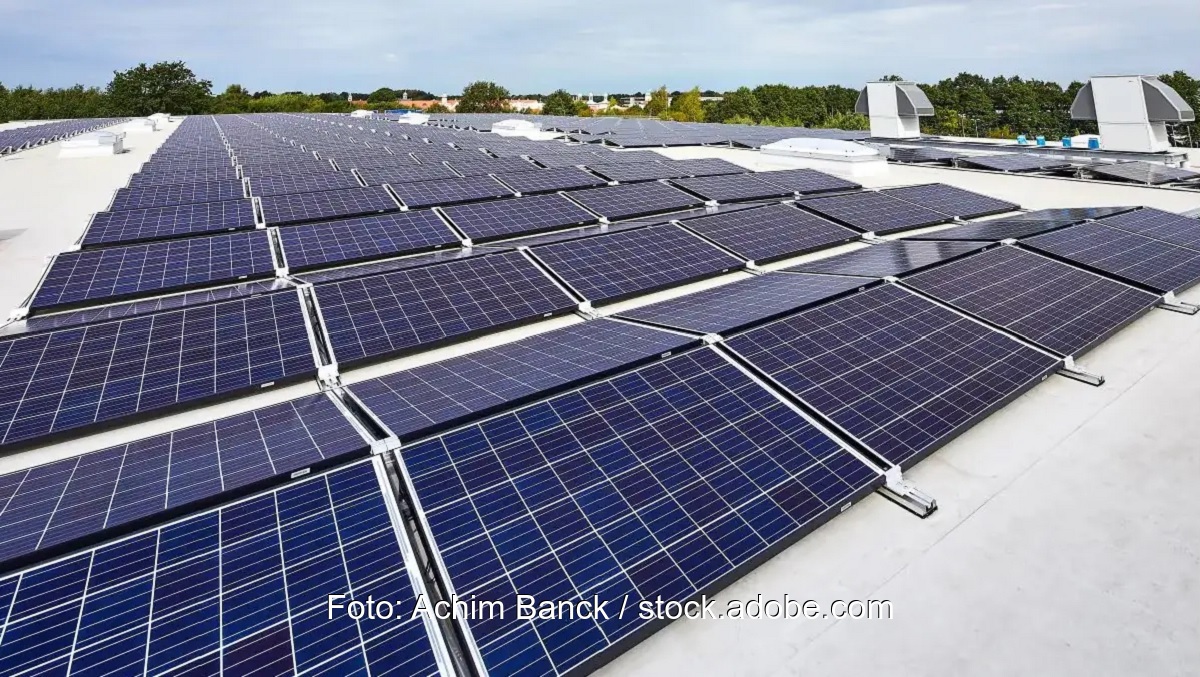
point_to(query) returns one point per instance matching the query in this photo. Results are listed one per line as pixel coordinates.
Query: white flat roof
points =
(1066, 539)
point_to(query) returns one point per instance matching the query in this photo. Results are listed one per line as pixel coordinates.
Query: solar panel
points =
(478, 166)
(504, 218)
(1012, 163)
(143, 269)
(281, 210)
(288, 184)
(806, 181)
(923, 154)
(166, 177)
(608, 267)
(70, 379)
(144, 197)
(242, 589)
(1155, 264)
(771, 232)
(450, 191)
(549, 180)
(359, 239)
(435, 397)
(899, 373)
(160, 223)
(394, 176)
(1158, 224)
(1020, 225)
(732, 307)
(653, 485)
(373, 316)
(69, 503)
(890, 258)
(568, 234)
(1142, 172)
(951, 201)
(732, 187)
(275, 167)
(61, 320)
(640, 171)
(874, 212)
(392, 265)
(381, 161)
(628, 201)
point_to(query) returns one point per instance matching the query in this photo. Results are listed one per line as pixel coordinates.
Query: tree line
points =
(966, 105)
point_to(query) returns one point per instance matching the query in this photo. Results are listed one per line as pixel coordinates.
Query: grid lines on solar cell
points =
(72, 378)
(500, 218)
(478, 166)
(653, 484)
(279, 210)
(392, 265)
(286, 184)
(806, 181)
(734, 306)
(731, 187)
(639, 171)
(166, 177)
(1012, 163)
(771, 232)
(1142, 172)
(1021, 225)
(158, 223)
(450, 191)
(1158, 224)
(548, 180)
(892, 258)
(144, 197)
(376, 315)
(1156, 264)
(433, 397)
(415, 173)
(76, 498)
(898, 372)
(609, 266)
(318, 244)
(570, 234)
(630, 200)
(874, 212)
(1053, 304)
(382, 161)
(141, 269)
(240, 589)
(950, 200)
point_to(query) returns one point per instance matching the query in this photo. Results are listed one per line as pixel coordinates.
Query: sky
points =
(588, 46)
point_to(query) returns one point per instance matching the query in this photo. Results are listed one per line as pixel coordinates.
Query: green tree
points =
(383, 95)
(483, 97)
(437, 109)
(739, 103)
(560, 102)
(687, 107)
(659, 101)
(235, 99)
(165, 87)
(846, 120)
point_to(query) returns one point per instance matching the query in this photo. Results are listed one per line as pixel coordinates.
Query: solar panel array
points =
(1141, 172)
(732, 187)
(807, 181)
(549, 180)
(382, 314)
(890, 258)
(1155, 264)
(492, 220)
(736, 306)
(450, 191)
(654, 484)
(771, 232)
(144, 197)
(1158, 224)
(158, 223)
(288, 184)
(139, 270)
(628, 201)
(282, 210)
(900, 154)
(1019, 226)
(899, 373)
(394, 175)
(951, 201)
(1011, 162)
(607, 267)
(1052, 304)
(874, 212)
(368, 237)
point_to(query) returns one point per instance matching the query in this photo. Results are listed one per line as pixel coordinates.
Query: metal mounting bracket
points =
(329, 376)
(1170, 302)
(709, 339)
(903, 493)
(1073, 371)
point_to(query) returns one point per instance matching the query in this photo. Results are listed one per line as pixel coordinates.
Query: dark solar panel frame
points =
(161, 223)
(284, 210)
(61, 506)
(328, 243)
(1141, 172)
(497, 219)
(1170, 227)
(1151, 264)
(873, 212)
(1062, 308)
(732, 187)
(444, 192)
(391, 265)
(484, 165)
(807, 181)
(894, 258)
(550, 180)
(629, 201)
(301, 183)
(952, 201)
(143, 197)
(1011, 163)
(378, 176)
(771, 232)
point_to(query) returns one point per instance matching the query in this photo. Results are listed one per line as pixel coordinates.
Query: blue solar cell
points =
(287, 184)
(1053, 304)
(281, 210)
(370, 237)
(651, 485)
(806, 181)
(478, 166)
(899, 373)
(897, 257)
(496, 219)
(239, 590)
(408, 173)
(1012, 162)
(70, 379)
(950, 200)
(161, 223)
(144, 197)
(746, 302)
(381, 314)
(94, 496)
(1158, 224)
(607, 267)
(771, 232)
(450, 191)
(1155, 264)
(435, 397)
(629, 201)
(145, 269)
(549, 180)
(732, 187)
(874, 212)
(167, 176)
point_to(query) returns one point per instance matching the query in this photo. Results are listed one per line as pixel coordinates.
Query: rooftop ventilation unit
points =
(1132, 111)
(895, 109)
(93, 144)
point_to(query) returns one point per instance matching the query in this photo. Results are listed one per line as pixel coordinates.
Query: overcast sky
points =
(595, 46)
